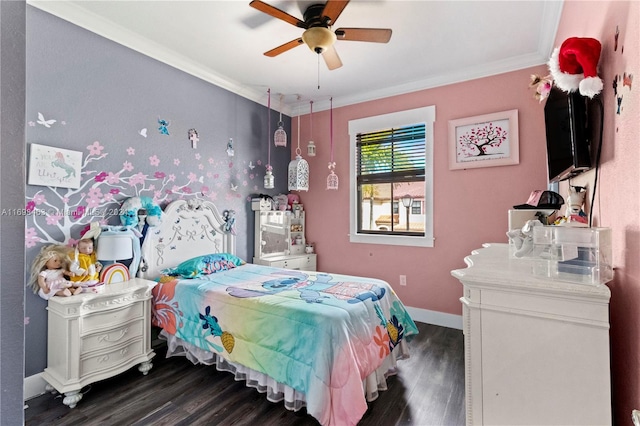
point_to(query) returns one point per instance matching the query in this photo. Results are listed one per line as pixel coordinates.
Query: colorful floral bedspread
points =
(319, 333)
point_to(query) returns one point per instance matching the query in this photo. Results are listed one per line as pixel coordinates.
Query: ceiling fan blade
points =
(375, 35)
(331, 58)
(283, 48)
(277, 13)
(333, 9)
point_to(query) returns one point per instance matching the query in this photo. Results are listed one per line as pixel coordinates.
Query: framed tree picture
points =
(484, 141)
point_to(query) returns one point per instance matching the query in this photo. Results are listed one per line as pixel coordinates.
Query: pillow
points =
(205, 265)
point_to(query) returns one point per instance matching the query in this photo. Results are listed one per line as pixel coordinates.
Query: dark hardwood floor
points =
(429, 390)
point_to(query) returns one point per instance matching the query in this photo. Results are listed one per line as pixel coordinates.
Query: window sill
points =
(393, 240)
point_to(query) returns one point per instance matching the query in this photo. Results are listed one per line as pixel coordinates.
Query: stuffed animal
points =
(292, 199)
(131, 206)
(523, 238)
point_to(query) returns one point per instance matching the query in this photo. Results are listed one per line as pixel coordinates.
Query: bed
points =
(322, 341)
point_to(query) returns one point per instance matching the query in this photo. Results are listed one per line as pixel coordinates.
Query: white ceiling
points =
(433, 43)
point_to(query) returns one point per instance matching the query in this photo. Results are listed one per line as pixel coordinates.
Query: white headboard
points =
(189, 228)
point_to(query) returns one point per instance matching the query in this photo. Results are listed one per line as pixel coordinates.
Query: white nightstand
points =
(94, 336)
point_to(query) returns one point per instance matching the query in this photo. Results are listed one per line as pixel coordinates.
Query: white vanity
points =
(280, 240)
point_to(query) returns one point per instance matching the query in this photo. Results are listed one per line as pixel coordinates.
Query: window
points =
(391, 178)
(416, 207)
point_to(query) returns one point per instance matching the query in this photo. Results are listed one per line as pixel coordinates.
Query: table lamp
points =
(119, 243)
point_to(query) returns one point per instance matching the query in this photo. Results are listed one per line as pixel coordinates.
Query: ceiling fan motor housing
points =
(313, 16)
(318, 36)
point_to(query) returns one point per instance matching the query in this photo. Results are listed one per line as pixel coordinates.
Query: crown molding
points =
(81, 17)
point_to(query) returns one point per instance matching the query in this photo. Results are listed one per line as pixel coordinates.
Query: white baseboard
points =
(34, 386)
(435, 318)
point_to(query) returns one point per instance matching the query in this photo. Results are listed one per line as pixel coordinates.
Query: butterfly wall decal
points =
(143, 132)
(45, 123)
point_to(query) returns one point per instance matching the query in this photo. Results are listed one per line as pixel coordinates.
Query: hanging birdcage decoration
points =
(298, 169)
(332, 179)
(280, 136)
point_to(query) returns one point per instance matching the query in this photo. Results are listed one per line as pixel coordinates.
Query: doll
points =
(84, 264)
(48, 273)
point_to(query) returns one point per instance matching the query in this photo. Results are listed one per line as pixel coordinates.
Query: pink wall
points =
(617, 201)
(470, 206)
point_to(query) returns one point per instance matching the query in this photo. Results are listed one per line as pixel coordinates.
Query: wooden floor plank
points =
(428, 390)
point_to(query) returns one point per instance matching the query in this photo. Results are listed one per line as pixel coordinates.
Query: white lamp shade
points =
(406, 200)
(114, 248)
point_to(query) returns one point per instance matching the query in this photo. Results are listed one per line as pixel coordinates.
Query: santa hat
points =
(574, 65)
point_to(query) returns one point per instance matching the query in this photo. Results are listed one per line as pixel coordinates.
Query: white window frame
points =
(426, 115)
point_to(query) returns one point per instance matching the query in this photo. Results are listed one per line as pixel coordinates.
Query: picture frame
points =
(54, 167)
(487, 140)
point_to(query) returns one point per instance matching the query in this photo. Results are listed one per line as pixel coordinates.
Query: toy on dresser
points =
(48, 273)
(84, 264)
(575, 214)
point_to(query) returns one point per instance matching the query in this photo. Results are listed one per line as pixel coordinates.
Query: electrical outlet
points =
(403, 280)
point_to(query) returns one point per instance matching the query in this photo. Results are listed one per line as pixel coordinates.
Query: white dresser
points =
(94, 336)
(536, 350)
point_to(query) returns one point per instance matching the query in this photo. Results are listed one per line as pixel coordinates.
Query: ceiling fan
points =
(318, 20)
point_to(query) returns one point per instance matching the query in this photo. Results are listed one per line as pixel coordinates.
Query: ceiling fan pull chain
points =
(318, 71)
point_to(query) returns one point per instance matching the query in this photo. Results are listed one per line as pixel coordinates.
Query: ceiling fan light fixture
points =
(318, 39)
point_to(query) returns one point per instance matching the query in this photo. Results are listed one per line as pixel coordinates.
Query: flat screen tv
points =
(568, 130)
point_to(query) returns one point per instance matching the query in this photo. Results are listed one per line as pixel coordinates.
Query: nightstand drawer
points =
(111, 318)
(98, 363)
(109, 338)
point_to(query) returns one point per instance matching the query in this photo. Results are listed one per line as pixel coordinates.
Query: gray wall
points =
(102, 95)
(12, 66)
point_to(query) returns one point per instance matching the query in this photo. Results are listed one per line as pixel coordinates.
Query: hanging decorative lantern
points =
(298, 173)
(280, 136)
(332, 179)
(298, 169)
(311, 147)
(269, 180)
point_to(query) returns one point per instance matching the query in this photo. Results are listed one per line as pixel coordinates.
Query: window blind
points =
(391, 155)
